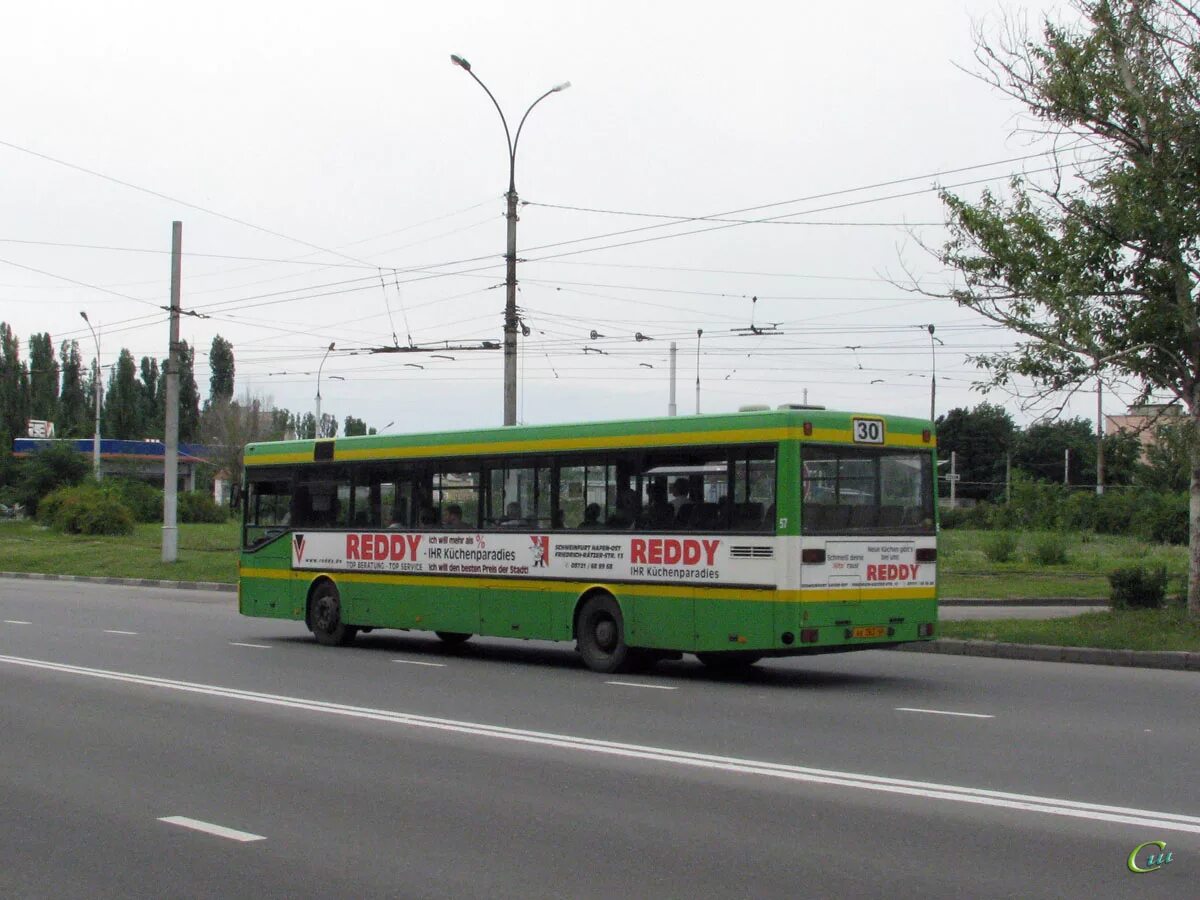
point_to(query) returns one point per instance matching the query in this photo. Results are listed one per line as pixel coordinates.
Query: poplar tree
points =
(73, 403)
(43, 379)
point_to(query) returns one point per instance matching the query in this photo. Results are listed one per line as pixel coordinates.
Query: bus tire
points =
(729, 660)
(325, 617)
(453, 638)
(600, 636)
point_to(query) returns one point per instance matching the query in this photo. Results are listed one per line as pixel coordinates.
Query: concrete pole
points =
(170, 543)
(671, 408)
(953, 478)
(96, 391)
(1067, 466)
(699, 332)
(510, 306)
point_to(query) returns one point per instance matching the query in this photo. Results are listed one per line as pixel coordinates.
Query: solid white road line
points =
(209, 828)
(16, 622)
(244, 644)
(117, 631)
(944, 712)
(417, 662)
(657, 687)
(1144, 818)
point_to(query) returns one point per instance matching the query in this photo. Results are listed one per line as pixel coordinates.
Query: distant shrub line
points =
(1161, 518)
(113, 506)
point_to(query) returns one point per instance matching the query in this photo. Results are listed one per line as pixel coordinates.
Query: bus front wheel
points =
(325, 617)
(600, 636)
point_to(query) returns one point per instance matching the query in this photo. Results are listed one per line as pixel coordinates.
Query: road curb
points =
(1143, 659)
(128, 582)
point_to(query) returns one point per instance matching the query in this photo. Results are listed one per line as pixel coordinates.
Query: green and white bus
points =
(733, 537)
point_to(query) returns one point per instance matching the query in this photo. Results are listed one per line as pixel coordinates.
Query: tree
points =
(980, 439)
(1167, 458)
(14, 387)
(220, 361)
(328, 425)
(150, 403)
(123, 402)
(229, 425)
(189, 394)
(1041, 451)
(306, 427)
(73, 403)
(43, 379)
(354, 426)
(1097, 267)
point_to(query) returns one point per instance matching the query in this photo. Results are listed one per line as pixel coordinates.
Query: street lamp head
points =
(85, 318)
(331, 346)
(460, 62)
(560, 87)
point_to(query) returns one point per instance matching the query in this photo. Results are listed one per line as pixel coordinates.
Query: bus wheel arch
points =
(599, 630)
(323, 614)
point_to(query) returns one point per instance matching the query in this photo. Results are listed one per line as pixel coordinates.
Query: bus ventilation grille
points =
(751, 552)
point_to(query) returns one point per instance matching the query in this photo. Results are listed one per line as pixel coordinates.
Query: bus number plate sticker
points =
(874, 631)
(867, 431)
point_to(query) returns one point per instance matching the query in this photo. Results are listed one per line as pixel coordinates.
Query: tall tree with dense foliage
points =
(14, 387)
(73, 402)
(1045, 449)
(354, 426)
(1097, 269)
(220, 362)
(151, 403)
(189, 394)
(980, 439)
(123, 401)
(43, 379)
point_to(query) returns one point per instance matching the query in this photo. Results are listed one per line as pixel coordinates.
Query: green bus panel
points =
(663, 622)
(409, 606)
(268, 597)
(735, 624)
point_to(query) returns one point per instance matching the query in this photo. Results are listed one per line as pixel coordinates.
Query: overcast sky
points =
(348, 146)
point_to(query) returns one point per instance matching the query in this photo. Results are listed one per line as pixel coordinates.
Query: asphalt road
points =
(156, 744)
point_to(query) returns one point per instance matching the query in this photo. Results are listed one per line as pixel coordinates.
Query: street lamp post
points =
(317, 426)
(933, 375)
(510, 256)
(96, 436)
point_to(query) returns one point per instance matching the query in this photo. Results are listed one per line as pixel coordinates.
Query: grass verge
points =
(206, 552)
(1134, 629)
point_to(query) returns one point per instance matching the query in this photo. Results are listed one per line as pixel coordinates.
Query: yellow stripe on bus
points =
(601, 442)
(760, 595)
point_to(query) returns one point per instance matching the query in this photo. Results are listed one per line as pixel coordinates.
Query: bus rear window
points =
(850, 490)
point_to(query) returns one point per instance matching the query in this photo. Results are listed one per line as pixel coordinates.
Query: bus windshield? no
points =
(848, 490)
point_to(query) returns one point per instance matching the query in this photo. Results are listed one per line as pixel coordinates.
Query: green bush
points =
(1000, 546)
(85, 509)
(1049, 550)
(143, 500)
(1136, 587)
(196, 506)
(52, 467)
(1163, 519)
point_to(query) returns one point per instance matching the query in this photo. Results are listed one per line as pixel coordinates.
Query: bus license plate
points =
(873, 631)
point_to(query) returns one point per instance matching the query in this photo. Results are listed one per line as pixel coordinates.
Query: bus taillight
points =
(925, 629)
(809, 635)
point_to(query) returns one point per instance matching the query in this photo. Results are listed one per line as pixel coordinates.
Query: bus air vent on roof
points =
(798, 406)
(754, 407)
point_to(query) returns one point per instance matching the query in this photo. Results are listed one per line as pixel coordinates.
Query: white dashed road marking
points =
(655, 687)
(944, 712)
(244, 644)
(209, 828)
(417, 662)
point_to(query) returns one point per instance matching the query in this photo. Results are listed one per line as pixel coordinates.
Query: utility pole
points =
(1067, 466)
(1099, 437)
(953, 477)
(1008, 477)
(932, 377)
(671, 409)
(170, 544)
(96, 433)
(510, 256)
(699, 331)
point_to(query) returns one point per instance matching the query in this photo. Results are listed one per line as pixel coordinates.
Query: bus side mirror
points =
(235, 495)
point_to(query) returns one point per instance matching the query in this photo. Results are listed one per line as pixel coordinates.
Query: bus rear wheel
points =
(453, 638)
(600, 637)
(729, 660)
(325, 617)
